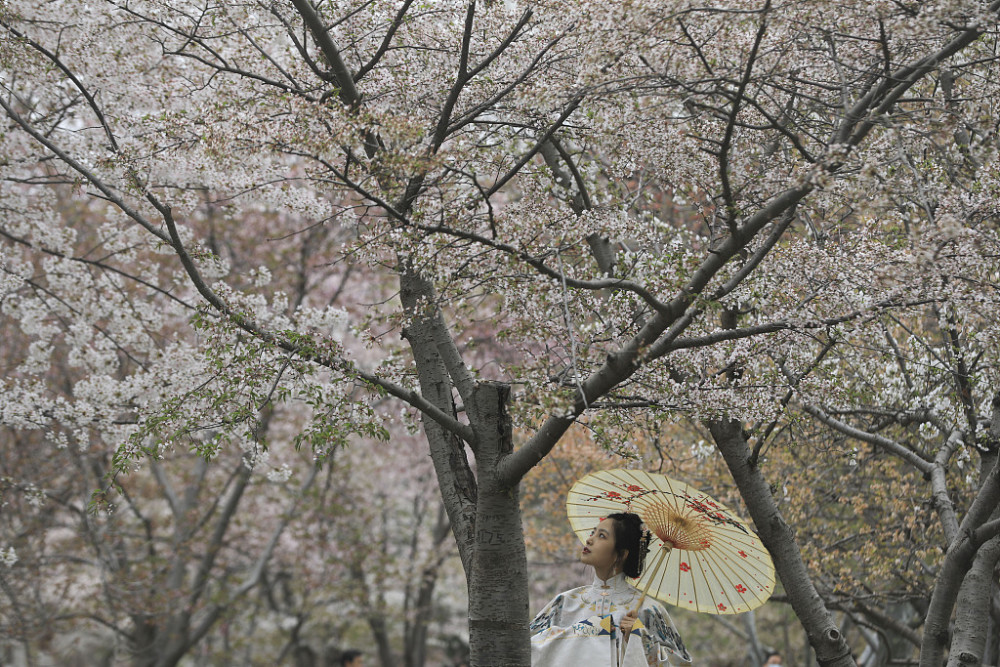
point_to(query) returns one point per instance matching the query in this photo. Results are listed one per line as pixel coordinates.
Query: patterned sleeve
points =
(547, 617)
(660, 641)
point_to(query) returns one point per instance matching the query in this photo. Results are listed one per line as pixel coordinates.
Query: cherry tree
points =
(918, 384)
(154, 577)
(591, 190)
(205, 550)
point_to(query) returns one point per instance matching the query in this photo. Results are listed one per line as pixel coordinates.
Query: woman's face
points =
(599, 549)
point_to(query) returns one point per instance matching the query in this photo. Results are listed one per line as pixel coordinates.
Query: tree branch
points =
(384, 46)
(349, 94)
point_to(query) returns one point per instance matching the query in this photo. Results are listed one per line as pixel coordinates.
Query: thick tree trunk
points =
(970, 550)
(824, 635)
(484, 511)
(498, 580)
(972, 617)
(975, 598)
(961, 557)
(991, 655)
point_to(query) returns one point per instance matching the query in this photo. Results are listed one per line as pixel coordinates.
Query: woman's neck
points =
(605, 573)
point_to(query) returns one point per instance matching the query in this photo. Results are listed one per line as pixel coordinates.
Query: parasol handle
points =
(664, 550)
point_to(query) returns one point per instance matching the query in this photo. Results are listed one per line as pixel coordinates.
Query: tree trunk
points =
(824, 635)
(964, 554)
(415, 636)
(427, 333)
(484, 511)
(381, 633)
(975, 597)
(498, 579)
(415, 642)
(968, 644)
(991, 655)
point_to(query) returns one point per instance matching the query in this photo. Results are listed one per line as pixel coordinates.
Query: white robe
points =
(579, 628)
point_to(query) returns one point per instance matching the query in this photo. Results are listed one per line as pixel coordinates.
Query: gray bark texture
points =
(966, 580)
(484, 509)
(824, 635)
(427, 334)
(971, 631)
(992, 653)
(498, 581)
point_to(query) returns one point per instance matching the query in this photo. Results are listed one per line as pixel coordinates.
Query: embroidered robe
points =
(580, 628)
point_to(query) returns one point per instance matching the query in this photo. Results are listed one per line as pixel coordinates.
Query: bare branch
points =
(383, 48)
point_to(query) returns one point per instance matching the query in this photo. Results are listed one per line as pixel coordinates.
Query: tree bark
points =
(427, 334)
(975, 598)
(992, 653)
(484, 511)
(380, 631)
(971, 550)
(968, 645)
(779, 538)
(498, 580)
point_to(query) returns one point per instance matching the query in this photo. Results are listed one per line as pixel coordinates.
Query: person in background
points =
(771, 659)
(352, 659)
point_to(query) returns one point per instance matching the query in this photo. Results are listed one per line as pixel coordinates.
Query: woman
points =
(584, 627)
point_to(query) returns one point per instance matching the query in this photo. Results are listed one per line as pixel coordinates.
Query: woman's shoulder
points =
(573, 592)
(567, 595)
(651, 605)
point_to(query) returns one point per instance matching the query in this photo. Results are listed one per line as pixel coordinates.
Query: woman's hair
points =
(630, 536)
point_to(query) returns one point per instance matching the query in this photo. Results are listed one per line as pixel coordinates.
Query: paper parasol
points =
(701, 557)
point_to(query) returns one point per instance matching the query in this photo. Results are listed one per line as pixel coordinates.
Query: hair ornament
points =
(644, 542)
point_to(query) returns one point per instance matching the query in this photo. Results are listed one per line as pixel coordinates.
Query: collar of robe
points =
(616, 583)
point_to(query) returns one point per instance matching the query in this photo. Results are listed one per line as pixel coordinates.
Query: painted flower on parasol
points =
(702, 556)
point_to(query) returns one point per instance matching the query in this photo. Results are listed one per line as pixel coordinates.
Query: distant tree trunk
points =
(415, 640)
(381, 633)
(303, 656)
(824, 635)
(904, 615)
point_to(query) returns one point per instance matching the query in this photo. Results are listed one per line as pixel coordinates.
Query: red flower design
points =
(722, 607)
(634, 488)
(614, 495)
(685, 567)
(740, 588)
(743, 553)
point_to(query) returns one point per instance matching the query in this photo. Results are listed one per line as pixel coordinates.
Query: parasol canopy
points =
(701, 556)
